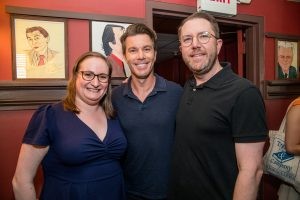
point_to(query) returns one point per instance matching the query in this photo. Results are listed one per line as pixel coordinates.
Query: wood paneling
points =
(281, 89)
(20, 95)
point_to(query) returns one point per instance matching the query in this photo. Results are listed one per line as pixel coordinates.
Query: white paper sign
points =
(222, 7)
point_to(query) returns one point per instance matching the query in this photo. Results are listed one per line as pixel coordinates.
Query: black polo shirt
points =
(211, 118)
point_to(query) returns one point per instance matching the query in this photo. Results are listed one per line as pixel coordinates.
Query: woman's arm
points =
(29, 159)
(292, 130)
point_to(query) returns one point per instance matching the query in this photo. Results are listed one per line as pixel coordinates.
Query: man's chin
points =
(200, 70)
(286, 68)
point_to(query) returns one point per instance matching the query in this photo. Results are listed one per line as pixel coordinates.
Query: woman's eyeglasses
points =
(89, 76)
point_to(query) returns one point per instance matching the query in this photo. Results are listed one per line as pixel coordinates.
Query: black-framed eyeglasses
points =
(202, 37)
(89, 76)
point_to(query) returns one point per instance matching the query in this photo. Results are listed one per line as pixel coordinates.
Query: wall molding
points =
(29, 95)
(70, 15)
(20, 95)
(281, 36)
(281, 89)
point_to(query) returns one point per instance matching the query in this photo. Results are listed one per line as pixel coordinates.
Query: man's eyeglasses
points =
(89, 76)
(202, 37)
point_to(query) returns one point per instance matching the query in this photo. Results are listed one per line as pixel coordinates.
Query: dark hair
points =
(202, 15)
(109, 36)
(37, 28)
(105, 102)
(137, 29)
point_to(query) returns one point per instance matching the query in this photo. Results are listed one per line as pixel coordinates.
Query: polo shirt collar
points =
(160, 86)
(217, 80)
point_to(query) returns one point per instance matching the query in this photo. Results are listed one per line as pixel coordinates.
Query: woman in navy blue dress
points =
(78, 141)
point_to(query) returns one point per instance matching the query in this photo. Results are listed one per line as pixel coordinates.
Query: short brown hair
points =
(69, 100)
(202, 15)
(137, 29)
(37, 28)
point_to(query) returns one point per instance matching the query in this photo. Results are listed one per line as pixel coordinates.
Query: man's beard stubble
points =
(206, 67)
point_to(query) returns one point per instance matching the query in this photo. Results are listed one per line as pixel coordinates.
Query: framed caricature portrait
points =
(39, 47)
(105, 38)
(286, 59)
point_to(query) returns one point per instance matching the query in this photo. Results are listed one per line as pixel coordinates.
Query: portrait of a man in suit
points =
(286, 53)
(42, 61)
(39, 48)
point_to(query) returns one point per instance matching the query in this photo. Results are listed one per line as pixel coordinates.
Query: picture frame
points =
(39, 48)
(103, 36)
(287, 59)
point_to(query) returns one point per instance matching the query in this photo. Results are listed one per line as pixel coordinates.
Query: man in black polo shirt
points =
(220, 125)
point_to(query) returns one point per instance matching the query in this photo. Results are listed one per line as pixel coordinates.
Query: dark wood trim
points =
(254, 33)
(70, 15)
(254, 45)
(20, 95)
(281, 36)
(281, 89)
(153, 7)
(29, 94)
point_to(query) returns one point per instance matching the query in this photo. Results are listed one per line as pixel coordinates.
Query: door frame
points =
(254, 34)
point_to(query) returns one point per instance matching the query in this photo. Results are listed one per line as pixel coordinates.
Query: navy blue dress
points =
(78, 165)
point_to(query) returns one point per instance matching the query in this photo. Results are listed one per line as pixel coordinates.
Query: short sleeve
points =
(249, 118)
(37, 132)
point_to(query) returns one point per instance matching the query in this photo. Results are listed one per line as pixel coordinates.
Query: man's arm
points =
(249, 160)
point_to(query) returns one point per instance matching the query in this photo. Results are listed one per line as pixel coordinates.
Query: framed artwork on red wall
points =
(286, 59)
(39, 48)
(105, 38)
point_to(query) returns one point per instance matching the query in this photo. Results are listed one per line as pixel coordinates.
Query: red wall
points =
(12, 125)
(280, 17)
(105, 7)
